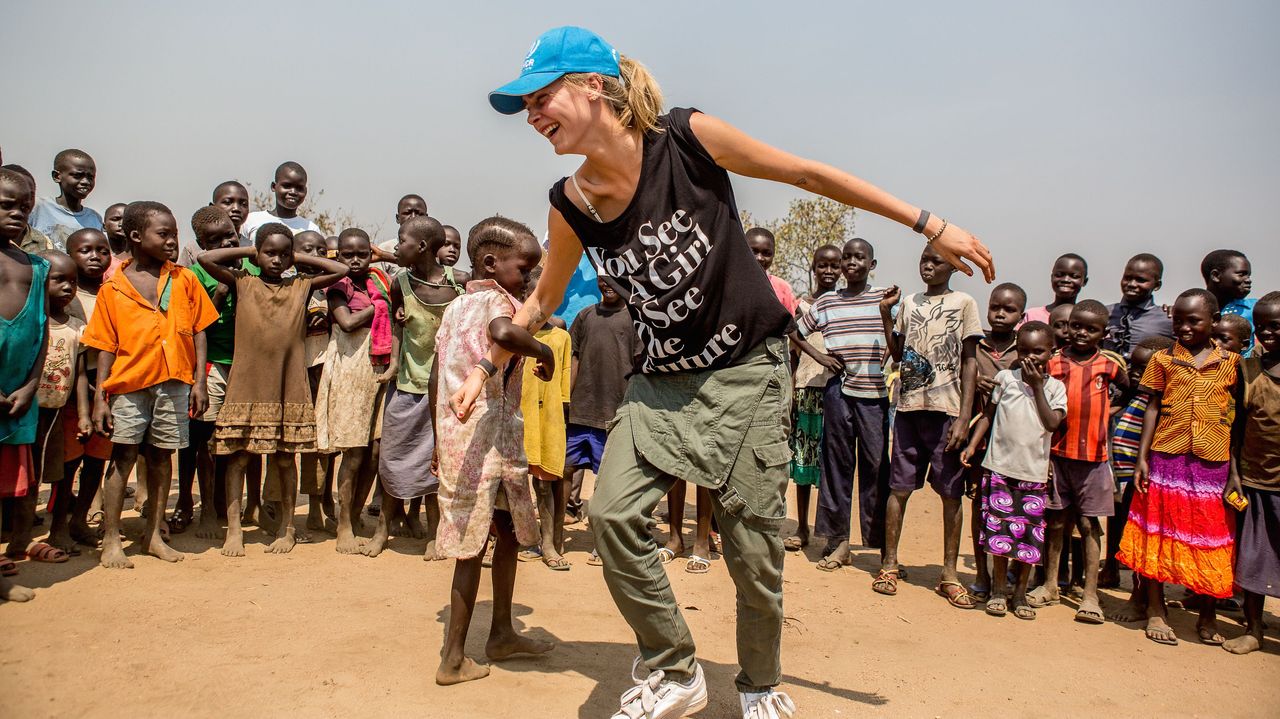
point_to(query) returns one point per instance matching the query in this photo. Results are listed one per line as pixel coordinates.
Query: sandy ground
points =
(314, 633)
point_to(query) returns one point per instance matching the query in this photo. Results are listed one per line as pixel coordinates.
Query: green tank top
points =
(418, 335)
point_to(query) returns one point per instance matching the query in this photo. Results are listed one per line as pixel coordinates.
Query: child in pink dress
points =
(484, 478)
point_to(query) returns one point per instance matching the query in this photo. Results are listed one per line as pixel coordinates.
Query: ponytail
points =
(634, 95)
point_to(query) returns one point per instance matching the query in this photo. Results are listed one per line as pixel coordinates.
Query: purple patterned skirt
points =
(1013, 523)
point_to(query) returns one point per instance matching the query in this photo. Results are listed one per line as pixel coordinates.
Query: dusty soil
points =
(314, 633)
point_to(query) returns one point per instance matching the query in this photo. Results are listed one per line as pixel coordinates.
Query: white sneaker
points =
(766, 705)
(653, 697)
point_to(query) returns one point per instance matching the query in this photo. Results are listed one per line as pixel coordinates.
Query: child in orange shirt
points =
(149, 327)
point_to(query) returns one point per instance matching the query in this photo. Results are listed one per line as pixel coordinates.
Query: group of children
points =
(325, 364)
(1162, 421)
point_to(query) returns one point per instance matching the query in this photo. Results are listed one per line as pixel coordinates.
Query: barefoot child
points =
(1256, 466)
(149, 323)
(63, 387)
(1083, 490)
(483, 475)
(349, 401)
(315, 471)
(1027, 406)
(810, 378)
(75, 174)
(855, 405)
(935, 339)
(290, 189)
(22, 348)
(1179, 531)
(1069, 275)
(997, 351)
(422, 292)
(267, 409)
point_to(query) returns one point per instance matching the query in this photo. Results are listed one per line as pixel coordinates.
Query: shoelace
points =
(639, 701)
(773, 705)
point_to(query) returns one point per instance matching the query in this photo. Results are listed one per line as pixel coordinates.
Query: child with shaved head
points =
(75, 174)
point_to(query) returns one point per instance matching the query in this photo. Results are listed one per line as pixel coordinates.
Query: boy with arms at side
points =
(290, 190)
(1070, 274)
(997, 351)
(1136, 316)
(855, 405)
(1083, 490)
(22, 349)
(935, 339)
(149, 326)
(75, 174)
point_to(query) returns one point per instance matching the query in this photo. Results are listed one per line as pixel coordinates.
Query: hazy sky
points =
(1105, 128)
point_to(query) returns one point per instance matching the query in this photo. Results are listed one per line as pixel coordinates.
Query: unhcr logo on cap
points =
(528, 59)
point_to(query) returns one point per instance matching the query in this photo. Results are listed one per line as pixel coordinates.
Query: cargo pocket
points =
(756, 490)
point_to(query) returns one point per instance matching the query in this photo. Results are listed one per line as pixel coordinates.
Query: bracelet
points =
(487, 367)
(920, 223)
(940, 231)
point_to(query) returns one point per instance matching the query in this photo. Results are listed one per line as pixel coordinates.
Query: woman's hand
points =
(463, 402)
(956, 245)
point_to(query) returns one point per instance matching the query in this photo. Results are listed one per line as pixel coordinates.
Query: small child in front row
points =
(1026, 408)
(1179, 531)
(148, 324)
(483, 473)
(1256, 460)
(267, 409)
(315, 471)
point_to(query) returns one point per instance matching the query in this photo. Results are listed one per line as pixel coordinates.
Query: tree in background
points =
(331, 222)
(809, 224)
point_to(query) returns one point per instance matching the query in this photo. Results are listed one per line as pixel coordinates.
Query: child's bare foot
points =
(466, 671)
(416, 530)
(376, 543)
(11, 592)
(233, 546)
(347, 542)
(1159, 631)
(163, 551)
(113, 556)
(1243, 644)
(509, 644)
(83, 535)
(208, 527)
(431, 555)
(1128, 612)
(283, 545)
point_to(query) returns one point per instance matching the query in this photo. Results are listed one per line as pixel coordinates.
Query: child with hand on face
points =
(290, 189)
(483, 474)
(267, 409)
(148, 324)
(1026, 407)
(75, 174)
(356, 371)
(1179, 529)
(1069, 275)
(810, 380)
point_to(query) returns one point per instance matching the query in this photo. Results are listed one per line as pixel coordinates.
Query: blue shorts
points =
(585, 447)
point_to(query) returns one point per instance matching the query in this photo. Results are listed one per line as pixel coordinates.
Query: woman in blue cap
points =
(653, 207)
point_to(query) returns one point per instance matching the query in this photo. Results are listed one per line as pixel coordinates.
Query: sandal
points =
(795, 543)
(42, 552)
(886, 582)
(666, 555)
(8, 568)
(179, 521)
(1039, 598)
(697, 565)
(530, 554)
(594, 560)
(1024, 611)
(1090, 613)
(997, 606)
(1161, 633)
(560, 564)
(956, 595)
(980, 594)
(1210, 636)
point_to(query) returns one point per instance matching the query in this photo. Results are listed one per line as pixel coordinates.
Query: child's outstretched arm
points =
(330, 270)
(516, 340)
(218, 263)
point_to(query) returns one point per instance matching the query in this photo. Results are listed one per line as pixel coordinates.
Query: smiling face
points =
(935, 271)
(1004, 310)
(1266, 326)
(564, 113)
(234, 199)
(1193, 321)
(16, 201)
(76, 176)
(61, 283)
(762, 248)
(449, 252)
(1235, 280)
(158, 238)
(91, 252)
(1087, 329)
(1139, 281)
(608, 296)
(290, 188)
(1067, 278)
(410, 207)
(354, 252)
(275, 255)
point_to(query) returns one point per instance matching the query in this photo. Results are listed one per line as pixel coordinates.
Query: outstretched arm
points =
(738, 152)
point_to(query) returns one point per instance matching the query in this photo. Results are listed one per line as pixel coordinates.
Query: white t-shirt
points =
(933, 331)
(1018, 445)
(262, 217)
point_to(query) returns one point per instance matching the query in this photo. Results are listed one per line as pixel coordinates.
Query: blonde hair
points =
(634, 96)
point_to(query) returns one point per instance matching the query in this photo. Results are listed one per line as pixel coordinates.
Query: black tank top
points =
(696, 294)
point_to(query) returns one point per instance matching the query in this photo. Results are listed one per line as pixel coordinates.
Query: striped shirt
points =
(1197, 406)
(853, 331)
(1127, 436)
(1083, 435)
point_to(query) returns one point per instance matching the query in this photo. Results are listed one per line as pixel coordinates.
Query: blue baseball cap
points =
(556, 53)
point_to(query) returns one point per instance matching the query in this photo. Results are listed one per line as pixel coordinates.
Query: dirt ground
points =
(314, 633)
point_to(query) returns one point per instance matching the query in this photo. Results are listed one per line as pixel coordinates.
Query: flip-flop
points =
(594, 560)
(1168, 640)
(1039, 598)
(886, 582)
(1090, 613)
(666, 555)
(43, 552)
(1210, 637)
(955, 598)
(8, 568)
(559, 565)
(997, 606)
(697, 565)
(794, 543)
(531, 554)
(1024, 611)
